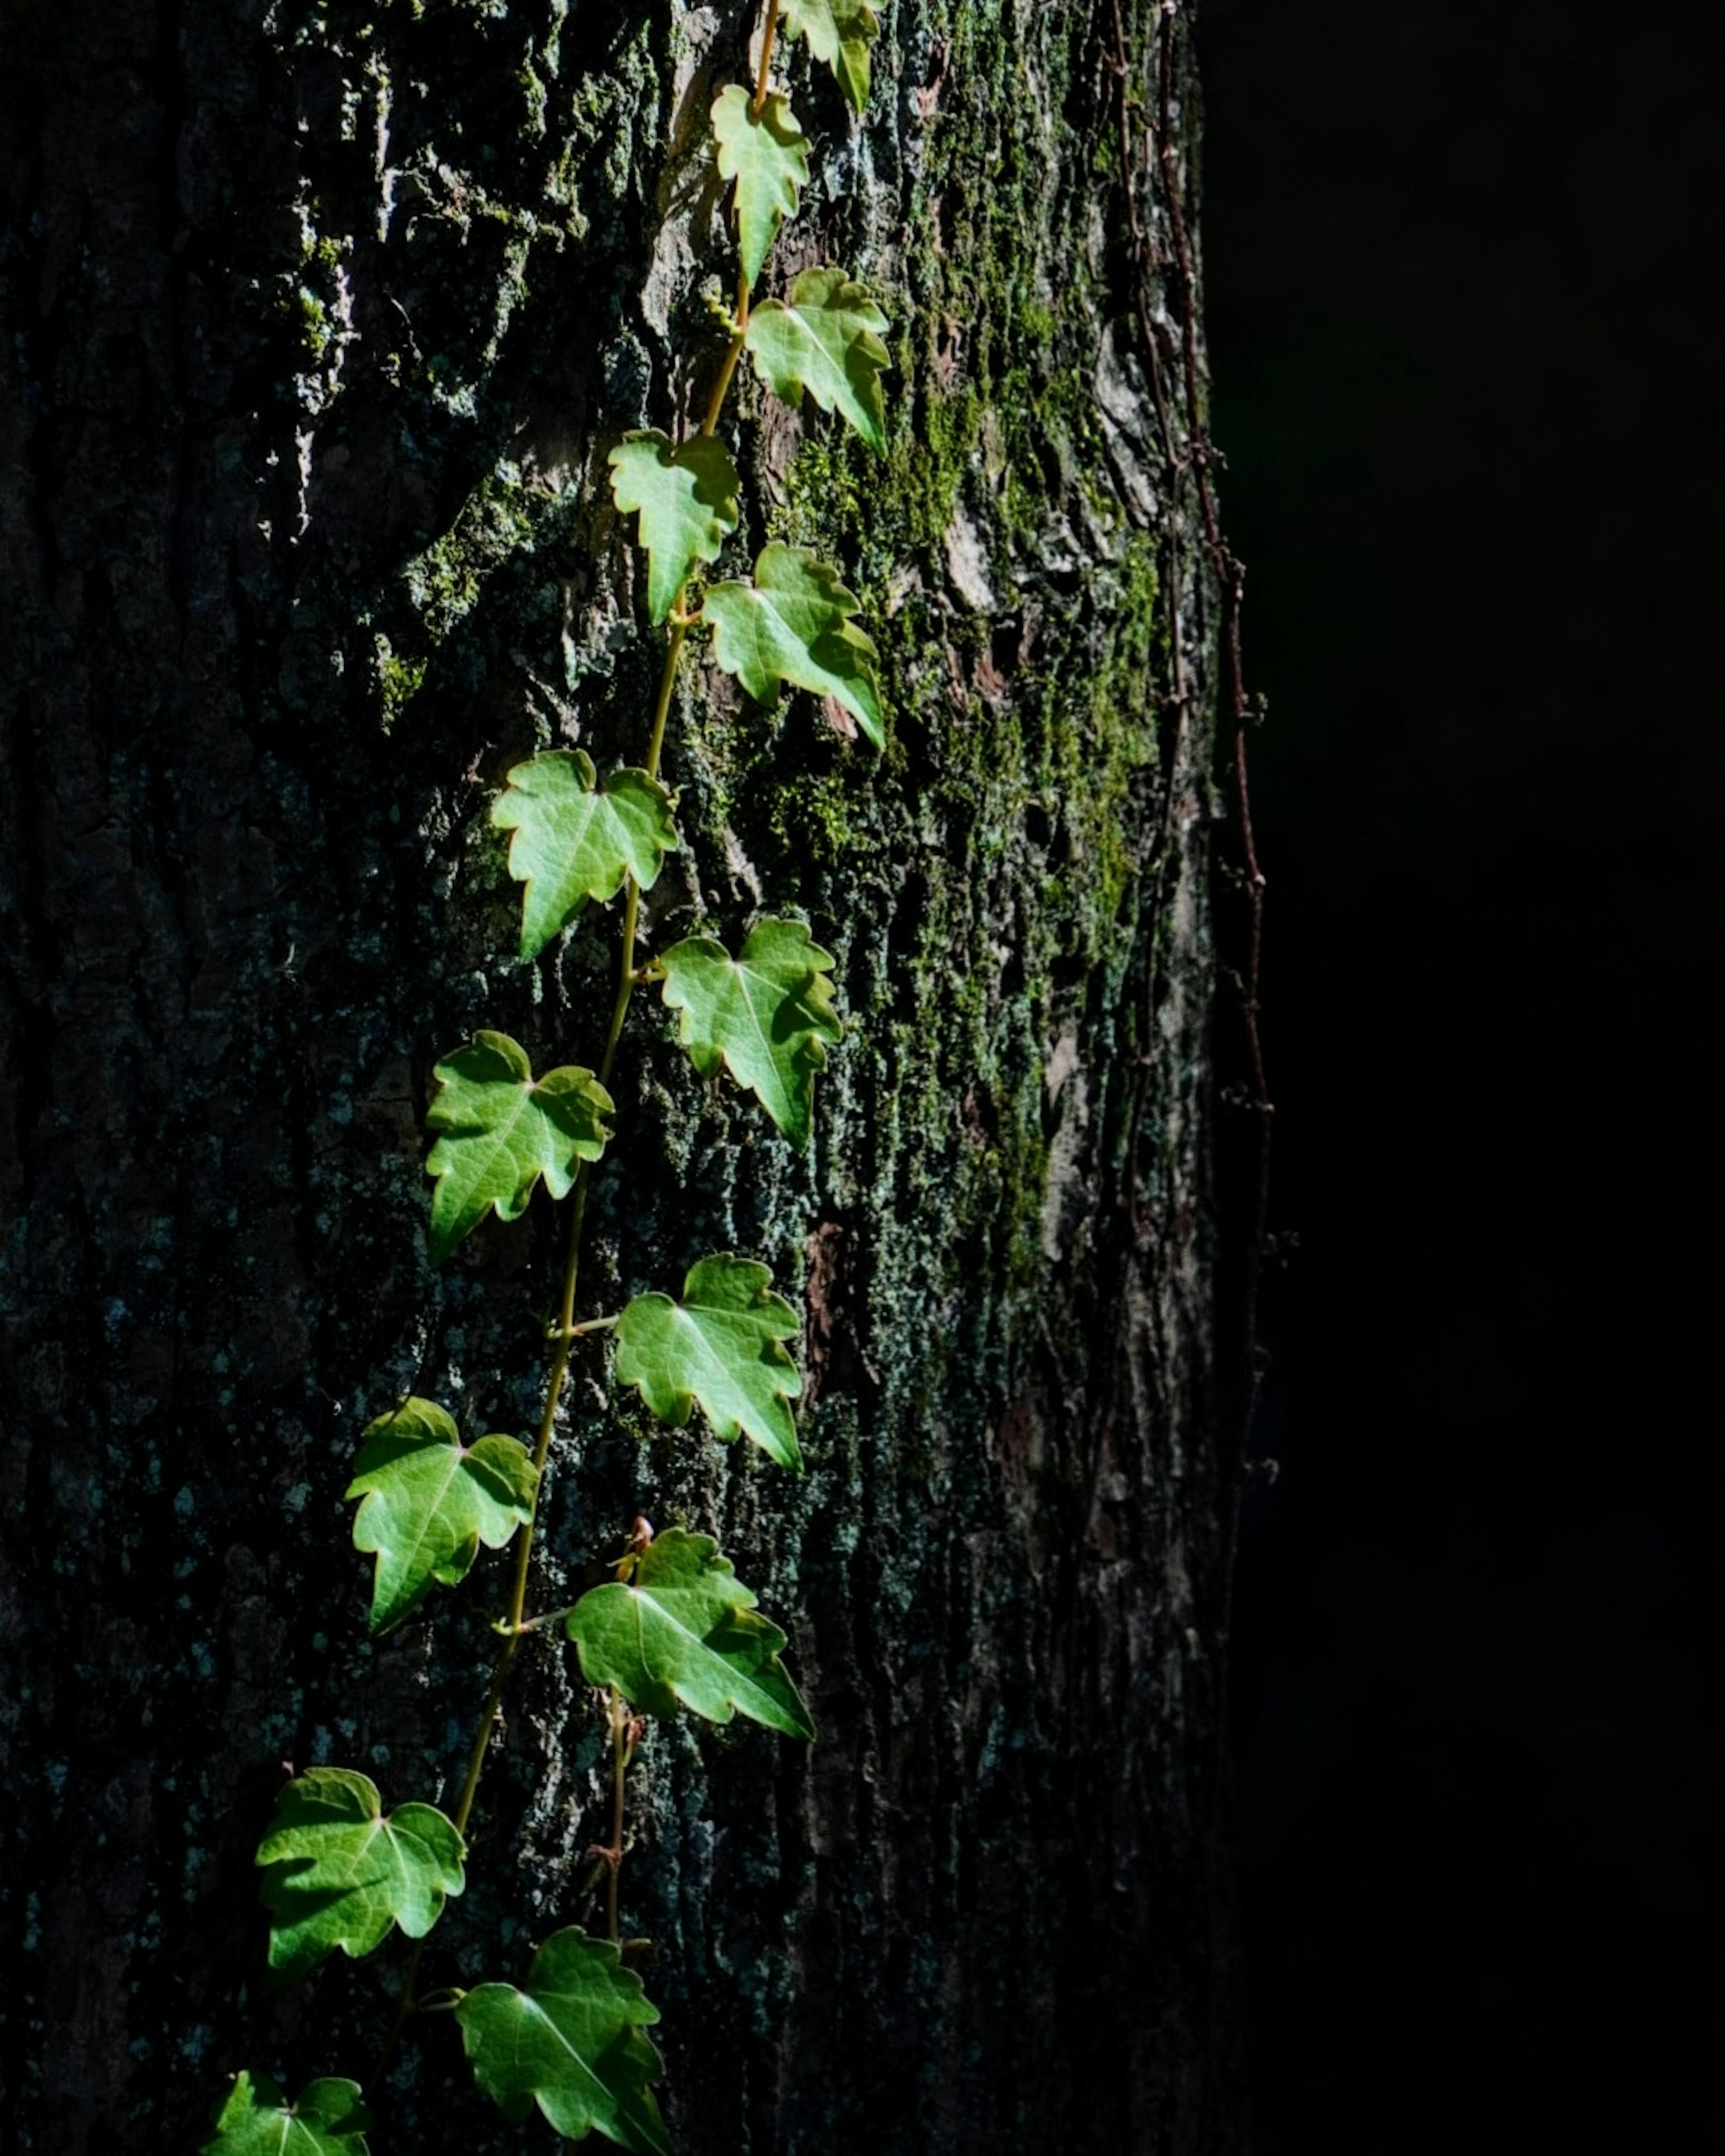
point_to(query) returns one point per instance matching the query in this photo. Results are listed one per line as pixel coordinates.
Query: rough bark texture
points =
(319, 322)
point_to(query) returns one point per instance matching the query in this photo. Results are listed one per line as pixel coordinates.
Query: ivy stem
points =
(681, 626)
(759, 104)
(565, 1334)
(733, 352)
(619, 1770)
(739, 334)
(515, 1626)
(404, 2006)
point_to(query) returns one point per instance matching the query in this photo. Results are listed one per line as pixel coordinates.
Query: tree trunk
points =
(320, 322)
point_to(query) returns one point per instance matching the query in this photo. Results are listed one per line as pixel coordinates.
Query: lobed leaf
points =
(570, 2042)
(792, 623)
(767, 155)
(684, 1630)
(768, 1014)
(825, 339)
(686, 499)
(339, 1871)
(721, 1345)
(840, 33)
(429, 1502)
(500, 1129)
(256, 2119)
(576, 839)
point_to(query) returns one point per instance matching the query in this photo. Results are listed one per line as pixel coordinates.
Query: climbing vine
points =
(673, 1630)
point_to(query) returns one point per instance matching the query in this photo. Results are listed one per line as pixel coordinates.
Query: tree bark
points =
(319, 323)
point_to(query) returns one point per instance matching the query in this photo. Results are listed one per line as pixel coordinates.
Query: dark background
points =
(1463, 263)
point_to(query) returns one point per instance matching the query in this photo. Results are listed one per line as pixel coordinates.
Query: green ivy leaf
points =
(686, 498)
(685, 1629)
(256, 2119)
(720, 1345)
(840, 33)
(767, 156)
(501, 1129)
(339, 1871)
(576, 839)
(825, 339)
(792, 623)
(430, 1502)
(571, 2043)
(768, 1014)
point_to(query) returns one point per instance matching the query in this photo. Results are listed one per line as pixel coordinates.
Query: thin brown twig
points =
(1229, 572)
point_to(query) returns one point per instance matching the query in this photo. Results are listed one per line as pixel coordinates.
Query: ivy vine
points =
(674, 1630)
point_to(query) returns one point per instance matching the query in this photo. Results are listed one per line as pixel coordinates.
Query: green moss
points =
(398, 680)
(314, 325)
(1023, 736)
(495, 527)
(820, 819)
(1098, 723)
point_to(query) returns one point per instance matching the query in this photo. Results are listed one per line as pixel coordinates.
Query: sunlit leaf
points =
(767, 155)
(256, 2119)
(577, 837)
(500, 1129)
(339, 1871)
(686, 498)
(767, 1013)
(430, 1502)
(570, 2042)
(840, 33)
(721, 1345)
(684, 1630)
(792, 623)
(825, 339)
